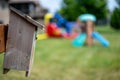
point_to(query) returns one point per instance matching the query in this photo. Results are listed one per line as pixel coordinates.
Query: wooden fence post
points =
(3, 36)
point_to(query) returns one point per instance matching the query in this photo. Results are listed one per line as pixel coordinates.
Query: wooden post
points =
(89, 31)
(20, 42)
(3, 36)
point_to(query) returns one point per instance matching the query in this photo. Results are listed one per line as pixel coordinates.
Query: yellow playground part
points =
(42, 36)
(47, 18)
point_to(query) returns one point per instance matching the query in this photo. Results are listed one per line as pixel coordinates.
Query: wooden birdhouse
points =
(3, 36)
(20, 42)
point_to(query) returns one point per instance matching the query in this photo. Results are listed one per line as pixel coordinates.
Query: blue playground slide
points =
(101, 39)
(62, 22)
(79, 40)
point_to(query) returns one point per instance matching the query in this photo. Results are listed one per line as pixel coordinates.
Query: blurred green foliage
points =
(71, 9)
(118, 2)
(115, 19)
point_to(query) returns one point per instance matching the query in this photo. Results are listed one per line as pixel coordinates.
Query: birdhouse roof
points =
(27, 18)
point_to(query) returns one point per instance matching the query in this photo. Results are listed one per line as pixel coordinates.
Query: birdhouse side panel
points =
(32, 53)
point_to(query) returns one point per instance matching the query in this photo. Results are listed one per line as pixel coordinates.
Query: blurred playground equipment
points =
(54, 24)
(62, 22)
(42, 36)
(79, 40)
(87, 17)
(47, 18)
(52, 29)
(86, 23)
(100, 38)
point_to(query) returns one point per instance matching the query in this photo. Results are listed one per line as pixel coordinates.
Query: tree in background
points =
(118, 2)
(115, 18)
(71, 9)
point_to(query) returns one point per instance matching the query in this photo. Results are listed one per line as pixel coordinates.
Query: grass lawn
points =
(57, 59)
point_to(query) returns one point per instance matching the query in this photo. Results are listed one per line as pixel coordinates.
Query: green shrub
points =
(115, 19)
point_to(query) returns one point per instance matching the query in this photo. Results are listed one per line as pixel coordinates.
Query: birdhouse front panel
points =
(19, 49)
